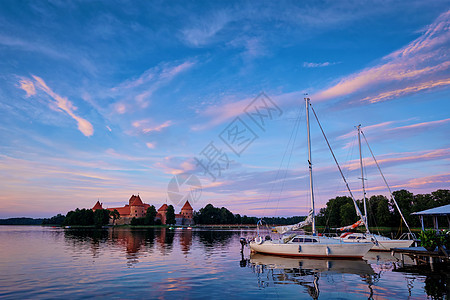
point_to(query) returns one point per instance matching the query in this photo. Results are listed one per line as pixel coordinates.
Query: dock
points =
(420, 255)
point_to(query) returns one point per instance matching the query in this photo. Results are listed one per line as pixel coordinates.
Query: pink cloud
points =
(62, 103)
(176, 165)
(403, 158)
(150, 145)
(422, 125)
(142, 88)
(145, 127)
(442, 179)
(28, 87)
(366, 129)
(421, 65)
(405, 91)
(220, 113)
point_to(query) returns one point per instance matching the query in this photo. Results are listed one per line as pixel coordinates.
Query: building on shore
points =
(138, 209)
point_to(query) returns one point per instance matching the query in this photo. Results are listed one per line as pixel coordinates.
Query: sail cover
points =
(287, 228)
(353, 226)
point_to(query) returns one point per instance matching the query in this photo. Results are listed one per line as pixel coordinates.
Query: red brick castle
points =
(137, 209)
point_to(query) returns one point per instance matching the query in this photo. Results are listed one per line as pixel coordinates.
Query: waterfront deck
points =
(420, 255)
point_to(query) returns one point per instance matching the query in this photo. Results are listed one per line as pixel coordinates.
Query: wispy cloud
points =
(150, 145)
(318, 65)
(62, 103)
(366, 129)
(28, 86)
(435, 180)
(142, 88)
(145, 125)
(228, 108)
(409, 157)
(422, 125)
(176, 165)
(202, 31)
(421, 65)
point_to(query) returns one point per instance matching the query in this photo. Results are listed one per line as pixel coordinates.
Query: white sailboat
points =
(291, 244)
(381, 243)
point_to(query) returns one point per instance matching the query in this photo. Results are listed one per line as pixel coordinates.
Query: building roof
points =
(187, 206)
(97, 205)
(437, 211)
(136, 201)
(163, 207)
(122, 210)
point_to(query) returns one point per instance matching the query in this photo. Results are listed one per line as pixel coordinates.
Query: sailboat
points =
(292, 244)
(381, 243)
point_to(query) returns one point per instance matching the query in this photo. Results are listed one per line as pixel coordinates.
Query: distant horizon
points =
(202, 206)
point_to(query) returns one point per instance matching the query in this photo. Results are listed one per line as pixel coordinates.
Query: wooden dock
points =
(420, 255)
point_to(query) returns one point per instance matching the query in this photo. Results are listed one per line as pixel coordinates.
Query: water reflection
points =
(212, 239)
(134, 242)
(437, 278)
(277, 270)
(164, 263)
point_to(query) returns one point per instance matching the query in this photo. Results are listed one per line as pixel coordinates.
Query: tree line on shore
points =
(338, 212)
(381, 211)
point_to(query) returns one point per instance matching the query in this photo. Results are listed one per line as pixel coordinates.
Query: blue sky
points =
(104, 99)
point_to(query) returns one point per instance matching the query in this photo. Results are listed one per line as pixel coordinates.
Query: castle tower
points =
(137, 208)
(162, 213)
(97, 205)
(187, 211)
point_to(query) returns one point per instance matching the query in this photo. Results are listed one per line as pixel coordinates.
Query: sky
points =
(100, 100)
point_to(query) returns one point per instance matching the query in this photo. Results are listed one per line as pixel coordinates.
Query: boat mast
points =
(310, 168)
(385, 182)
(358, 211)
(362, 177)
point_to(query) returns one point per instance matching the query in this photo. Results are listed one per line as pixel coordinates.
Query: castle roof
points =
(135, 201)
(123, 211)
(163, 207)
(187, 206)
(97, 205)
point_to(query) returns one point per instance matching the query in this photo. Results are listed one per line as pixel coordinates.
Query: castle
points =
(137, 209)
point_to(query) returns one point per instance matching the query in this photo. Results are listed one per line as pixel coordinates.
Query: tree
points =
(170, 215)
(334, 212)
(101, 217)
(150, 216)
(83, 217)
(55, 220)
(405, 201)
(115, 215)
(347, 214)
(378, 211)
(441, 197)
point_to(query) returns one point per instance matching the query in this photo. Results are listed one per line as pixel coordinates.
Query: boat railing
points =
(408, 236)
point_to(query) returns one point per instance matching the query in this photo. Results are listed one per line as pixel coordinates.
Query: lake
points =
(43, 262)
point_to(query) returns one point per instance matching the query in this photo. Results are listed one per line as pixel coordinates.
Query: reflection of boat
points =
(307, 245)
(381, 243)
(307, 272)
(344, 266)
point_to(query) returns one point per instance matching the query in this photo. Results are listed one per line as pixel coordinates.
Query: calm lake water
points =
(38, 262)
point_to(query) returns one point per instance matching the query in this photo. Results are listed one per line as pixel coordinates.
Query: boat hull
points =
(389, 245)
(337, 250)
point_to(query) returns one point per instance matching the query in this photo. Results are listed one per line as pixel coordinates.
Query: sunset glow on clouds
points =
(117, 101)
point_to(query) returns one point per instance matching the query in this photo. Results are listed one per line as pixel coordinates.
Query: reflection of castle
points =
(137, 209)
